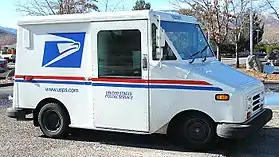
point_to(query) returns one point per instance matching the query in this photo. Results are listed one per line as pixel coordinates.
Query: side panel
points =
(120, 82)
(176, 95)
(174, 89)
(58, 58)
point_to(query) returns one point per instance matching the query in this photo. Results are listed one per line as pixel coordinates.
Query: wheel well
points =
(44, 102)
(173, 122)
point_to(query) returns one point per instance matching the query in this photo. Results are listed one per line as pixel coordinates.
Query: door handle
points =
(144, 62)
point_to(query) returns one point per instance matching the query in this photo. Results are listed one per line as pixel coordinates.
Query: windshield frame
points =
(206, 39)
(200, 32)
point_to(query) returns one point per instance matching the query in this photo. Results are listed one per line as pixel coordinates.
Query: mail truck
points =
(138, 72)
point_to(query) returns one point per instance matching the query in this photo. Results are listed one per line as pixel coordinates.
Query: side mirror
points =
(160, 43)
(159, 53)
(160, 38)
(268, 68)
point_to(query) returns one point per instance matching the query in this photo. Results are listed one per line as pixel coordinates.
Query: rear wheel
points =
(53, 120)
(195, 131)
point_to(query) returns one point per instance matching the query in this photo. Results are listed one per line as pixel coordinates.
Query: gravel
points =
(21, 138)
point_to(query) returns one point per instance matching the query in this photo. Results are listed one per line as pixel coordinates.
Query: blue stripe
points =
(158, 86)
(125, 85)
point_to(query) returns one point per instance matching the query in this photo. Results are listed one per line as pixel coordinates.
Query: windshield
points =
(187, 38)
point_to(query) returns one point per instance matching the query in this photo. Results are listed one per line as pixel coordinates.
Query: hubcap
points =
(197, 130)
(51, 121)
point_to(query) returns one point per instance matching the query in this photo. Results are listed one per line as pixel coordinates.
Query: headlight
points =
(249, 103)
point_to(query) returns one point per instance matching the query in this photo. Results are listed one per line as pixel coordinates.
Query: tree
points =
(197, 11)
(238, 24)
(142, 5)
(53, 7)
(215, 18)
(258, 31)
(269, 3)
(110, 5)
(240, 31)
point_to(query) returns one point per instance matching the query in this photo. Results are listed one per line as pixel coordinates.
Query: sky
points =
(9, 15)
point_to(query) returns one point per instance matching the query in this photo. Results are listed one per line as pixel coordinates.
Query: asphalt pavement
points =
(5, 92)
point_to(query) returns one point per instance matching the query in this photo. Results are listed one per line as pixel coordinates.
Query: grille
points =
(257, 102)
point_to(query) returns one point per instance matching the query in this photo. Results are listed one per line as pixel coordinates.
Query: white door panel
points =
(120, 83)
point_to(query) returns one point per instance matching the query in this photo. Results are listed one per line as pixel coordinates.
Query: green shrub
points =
(260, 48)
(271, 48)
(266, 48)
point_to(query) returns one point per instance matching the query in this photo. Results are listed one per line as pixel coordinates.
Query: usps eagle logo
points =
(63, 50)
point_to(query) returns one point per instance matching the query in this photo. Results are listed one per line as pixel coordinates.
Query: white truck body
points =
(102, 68)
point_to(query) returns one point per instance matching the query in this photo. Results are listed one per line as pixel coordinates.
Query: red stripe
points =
(192, 82)
(54, 77)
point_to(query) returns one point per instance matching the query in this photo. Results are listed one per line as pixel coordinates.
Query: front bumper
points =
(240, 131)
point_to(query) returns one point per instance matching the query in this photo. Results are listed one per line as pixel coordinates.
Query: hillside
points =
(271, 31)
(271, 21)
(7, 36)
(11, 30)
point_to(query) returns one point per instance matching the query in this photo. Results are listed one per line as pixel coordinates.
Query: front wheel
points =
(196, 131)
(53, 120)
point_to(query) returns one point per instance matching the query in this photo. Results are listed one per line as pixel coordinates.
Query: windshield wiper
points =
(197, 54)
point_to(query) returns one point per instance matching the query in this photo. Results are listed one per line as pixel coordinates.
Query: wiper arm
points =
(197, 54)
(204, 59)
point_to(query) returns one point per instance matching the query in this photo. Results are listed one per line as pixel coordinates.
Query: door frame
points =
(145, 51)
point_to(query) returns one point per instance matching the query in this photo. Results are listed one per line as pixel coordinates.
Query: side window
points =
(119, 53)
(167, 52)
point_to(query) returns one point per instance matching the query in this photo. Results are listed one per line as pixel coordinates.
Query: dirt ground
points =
(21, 138)
(259, 75)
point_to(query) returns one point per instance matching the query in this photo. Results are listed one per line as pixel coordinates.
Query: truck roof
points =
(104, 16)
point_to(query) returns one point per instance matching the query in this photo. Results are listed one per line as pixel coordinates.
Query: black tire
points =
(53, 120)
(195, 131)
